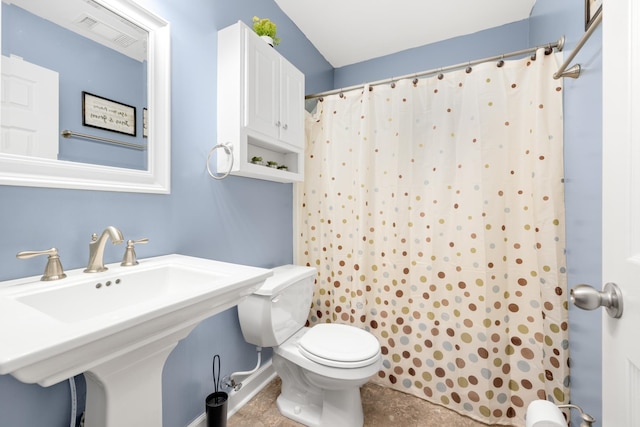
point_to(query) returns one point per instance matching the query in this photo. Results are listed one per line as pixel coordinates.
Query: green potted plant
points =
(283, 168)
(257, 160)
(266, 29)
(272, 164)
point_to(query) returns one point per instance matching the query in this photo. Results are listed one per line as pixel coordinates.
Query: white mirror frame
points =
(38, 172)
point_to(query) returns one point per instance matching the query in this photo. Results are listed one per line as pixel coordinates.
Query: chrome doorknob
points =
(588, 298)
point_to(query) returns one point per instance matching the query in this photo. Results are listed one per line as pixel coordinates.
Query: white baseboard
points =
(237, 399)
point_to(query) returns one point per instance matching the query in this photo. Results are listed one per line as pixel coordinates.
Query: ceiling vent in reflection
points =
(124, 40)
(87, 22)
(111, 36)
(104, 11)
(103, 30)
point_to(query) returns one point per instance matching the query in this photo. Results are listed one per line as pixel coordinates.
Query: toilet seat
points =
(339, 346)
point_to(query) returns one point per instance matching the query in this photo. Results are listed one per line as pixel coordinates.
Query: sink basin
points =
(117, 293)
(118, 327)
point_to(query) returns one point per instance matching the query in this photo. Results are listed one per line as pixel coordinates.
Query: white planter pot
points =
(267, 39)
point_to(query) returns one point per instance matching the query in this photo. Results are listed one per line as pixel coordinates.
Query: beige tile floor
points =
(382, 407)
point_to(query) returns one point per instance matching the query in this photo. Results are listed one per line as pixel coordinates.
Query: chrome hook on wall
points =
(588, 298)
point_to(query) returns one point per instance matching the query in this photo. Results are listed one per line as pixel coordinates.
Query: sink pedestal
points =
(127, 391)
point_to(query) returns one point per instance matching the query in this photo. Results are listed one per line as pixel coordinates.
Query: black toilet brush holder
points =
(216, 402)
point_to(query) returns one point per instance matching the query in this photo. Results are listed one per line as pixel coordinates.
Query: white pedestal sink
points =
(117, 327)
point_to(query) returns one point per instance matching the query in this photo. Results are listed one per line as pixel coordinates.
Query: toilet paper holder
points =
(543, 412)
(587, 420)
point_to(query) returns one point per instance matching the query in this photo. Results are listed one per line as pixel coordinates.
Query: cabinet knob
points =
(285, 127)
(278, 123)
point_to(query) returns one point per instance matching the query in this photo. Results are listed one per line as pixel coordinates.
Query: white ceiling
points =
(350, 31)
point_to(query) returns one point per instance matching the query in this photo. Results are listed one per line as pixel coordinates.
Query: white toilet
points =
(322, 367)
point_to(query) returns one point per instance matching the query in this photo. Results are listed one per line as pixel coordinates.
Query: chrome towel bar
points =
(69, 134)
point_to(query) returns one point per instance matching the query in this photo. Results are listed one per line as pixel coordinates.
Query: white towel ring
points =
(227, 149)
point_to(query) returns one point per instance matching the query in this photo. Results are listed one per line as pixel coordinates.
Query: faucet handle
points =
(53, 270)
(129, 258)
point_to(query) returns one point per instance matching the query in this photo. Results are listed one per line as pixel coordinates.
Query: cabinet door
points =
(291, 104)
(262, 87)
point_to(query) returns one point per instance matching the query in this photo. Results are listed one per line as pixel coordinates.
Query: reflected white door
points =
(29, 109)
(621, 211)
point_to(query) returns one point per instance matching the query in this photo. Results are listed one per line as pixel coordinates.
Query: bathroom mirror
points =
(147, 120)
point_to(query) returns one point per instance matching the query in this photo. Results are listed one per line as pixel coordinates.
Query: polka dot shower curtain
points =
(434, 213)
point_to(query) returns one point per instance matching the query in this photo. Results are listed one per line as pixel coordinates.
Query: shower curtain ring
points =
(548, 50)
(341, 94)
(501, 62)
(393, 84)
(468, 69)
(440, 75)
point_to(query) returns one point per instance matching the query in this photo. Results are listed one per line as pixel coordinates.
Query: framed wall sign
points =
(591, 9)
(103, 113)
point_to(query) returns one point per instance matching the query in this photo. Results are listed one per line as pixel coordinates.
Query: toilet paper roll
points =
(542, 413)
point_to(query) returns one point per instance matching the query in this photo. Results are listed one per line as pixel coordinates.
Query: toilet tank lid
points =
(284, 276)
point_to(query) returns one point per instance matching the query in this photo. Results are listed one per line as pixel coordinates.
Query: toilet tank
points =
(279, 308)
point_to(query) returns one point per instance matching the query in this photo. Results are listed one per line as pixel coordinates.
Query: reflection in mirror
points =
(67, 48)
(85, 95)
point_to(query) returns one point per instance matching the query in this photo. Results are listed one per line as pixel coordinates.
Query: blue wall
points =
(549, 20)
(238, 219)
(250, 221)
(583, 189)
(507, 38)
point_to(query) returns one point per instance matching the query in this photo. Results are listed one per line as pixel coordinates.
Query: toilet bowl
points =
(322, 367)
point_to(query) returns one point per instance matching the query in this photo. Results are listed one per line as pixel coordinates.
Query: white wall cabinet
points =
(260, 107)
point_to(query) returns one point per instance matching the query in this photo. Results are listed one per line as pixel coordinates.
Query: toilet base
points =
(336, 404)
(335, 409)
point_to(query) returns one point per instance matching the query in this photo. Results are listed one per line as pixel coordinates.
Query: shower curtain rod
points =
(557, 45)
(574, 72)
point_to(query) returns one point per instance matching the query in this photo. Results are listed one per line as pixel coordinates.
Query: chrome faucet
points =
(96, 248)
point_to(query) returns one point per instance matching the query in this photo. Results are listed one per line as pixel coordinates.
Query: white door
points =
(621, 211)
(29, 109)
